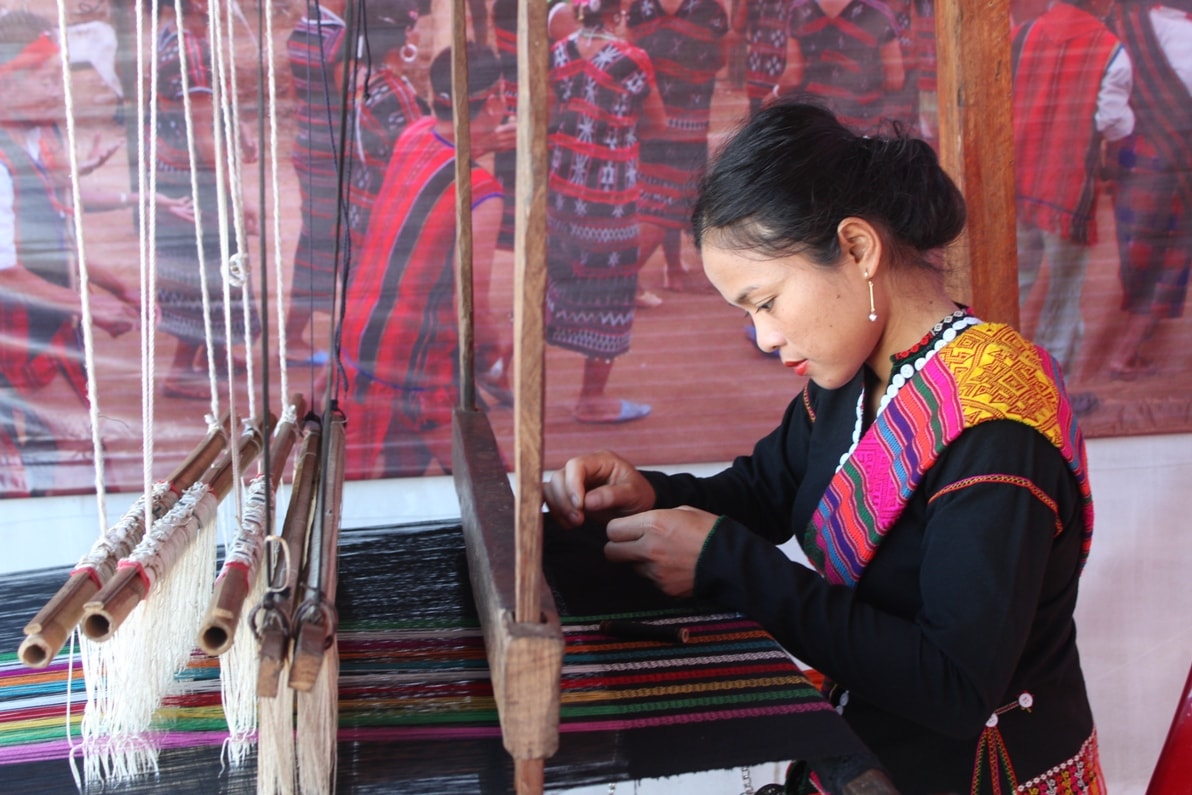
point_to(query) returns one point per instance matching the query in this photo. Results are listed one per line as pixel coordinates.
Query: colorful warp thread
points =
(416, 704)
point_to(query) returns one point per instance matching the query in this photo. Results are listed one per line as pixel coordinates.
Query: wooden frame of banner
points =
(503, 528)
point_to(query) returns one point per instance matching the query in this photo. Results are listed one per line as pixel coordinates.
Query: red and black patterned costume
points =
(592, 210)
(765, 56)
(316, 49)
(842, 61)
(1153, 198)
(400, 338)
(385, 107)
(687, 51)
(36, 344)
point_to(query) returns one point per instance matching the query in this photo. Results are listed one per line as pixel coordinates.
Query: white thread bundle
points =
(119, 540)
(128, 675)
(275, 740)
(318, 715)
(238, 665)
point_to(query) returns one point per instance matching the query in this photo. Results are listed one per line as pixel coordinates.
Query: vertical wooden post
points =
(529, 249)
(464, 302)
(977, 149)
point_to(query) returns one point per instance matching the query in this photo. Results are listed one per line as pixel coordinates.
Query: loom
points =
(493, 675)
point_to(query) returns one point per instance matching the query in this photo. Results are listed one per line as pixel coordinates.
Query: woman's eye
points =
(766, 306)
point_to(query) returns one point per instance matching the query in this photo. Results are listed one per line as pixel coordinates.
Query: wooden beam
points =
(977, 149)
(525, 657)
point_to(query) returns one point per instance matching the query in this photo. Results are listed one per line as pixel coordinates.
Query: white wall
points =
(1133, 616)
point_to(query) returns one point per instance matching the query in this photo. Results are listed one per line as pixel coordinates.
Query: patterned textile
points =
(179, 282)
(1153, 196)
(669, 169)
(1162, 103)
(592, 241)
(1080, 775)
(765, 55)
(1154, 230)
(842, 57)
(416, 709)
(687, 51)
(385, 106)
(1053, 119)
(505, 160)
(399, 323)
(315, 49)
(986, 373)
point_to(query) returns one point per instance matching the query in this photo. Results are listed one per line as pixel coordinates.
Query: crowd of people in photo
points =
(640, 91)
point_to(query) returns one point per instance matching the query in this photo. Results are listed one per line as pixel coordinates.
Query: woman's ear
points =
(860, 244)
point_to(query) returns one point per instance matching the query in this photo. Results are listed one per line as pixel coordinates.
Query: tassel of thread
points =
(130, 674)
(318, 717)
(275, 744)
(238, 683)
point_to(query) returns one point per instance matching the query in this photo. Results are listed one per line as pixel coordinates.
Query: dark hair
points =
(785, 180)
(18, 29)
(386, 23)
(483, 72)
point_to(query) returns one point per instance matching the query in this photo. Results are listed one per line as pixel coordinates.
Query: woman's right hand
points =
(597, 487)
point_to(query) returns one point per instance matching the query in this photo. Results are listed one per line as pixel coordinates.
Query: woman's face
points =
(35, 95)
(815, 317)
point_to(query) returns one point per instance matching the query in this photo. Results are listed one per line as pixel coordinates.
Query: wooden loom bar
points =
(523, 636)
(47, 632)
(278, 607)
(315, 622)
(104, 614)
(975, 79)
(217, 631)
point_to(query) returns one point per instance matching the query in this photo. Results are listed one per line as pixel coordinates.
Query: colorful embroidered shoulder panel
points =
(989, 372)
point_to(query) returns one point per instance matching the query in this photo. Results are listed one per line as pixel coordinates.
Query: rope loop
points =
(235, 269)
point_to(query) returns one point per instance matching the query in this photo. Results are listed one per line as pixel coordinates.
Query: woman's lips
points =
(800, 367)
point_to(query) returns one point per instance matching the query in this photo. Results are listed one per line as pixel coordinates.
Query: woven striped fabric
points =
(416, 704)
(989, 372)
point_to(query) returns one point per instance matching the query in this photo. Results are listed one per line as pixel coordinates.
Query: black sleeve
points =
(758, 490)
(984, 547)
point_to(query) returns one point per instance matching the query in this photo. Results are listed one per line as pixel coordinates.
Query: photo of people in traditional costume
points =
(1152, 166)
(317, 50)
(687, 43)
(605, 103)
(399, 342)
(189, 276)
(851, 57)
(386, 104)
(41, 359)
(1072, 82)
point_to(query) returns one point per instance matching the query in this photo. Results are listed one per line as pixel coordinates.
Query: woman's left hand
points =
(663, 545)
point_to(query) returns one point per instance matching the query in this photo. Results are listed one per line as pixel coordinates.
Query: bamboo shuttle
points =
(276, 611)
(47, 632)
(104, 614)
(217, 631)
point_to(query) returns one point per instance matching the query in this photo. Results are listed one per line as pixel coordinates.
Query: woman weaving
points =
(931, 469)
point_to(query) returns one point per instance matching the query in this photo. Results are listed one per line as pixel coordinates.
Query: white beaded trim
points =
(899, 378)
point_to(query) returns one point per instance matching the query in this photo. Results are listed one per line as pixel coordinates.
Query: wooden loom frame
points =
(503, 528)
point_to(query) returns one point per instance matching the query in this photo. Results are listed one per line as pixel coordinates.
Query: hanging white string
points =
(219, 87)
(84, 278)
(147, 215)
(278, 263)
(239, 270)
(188, 114)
